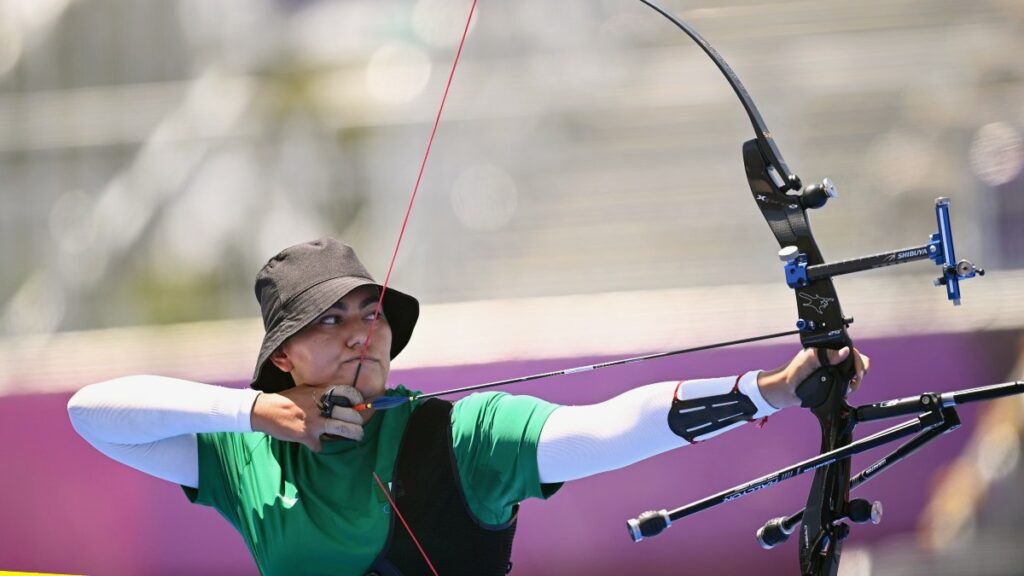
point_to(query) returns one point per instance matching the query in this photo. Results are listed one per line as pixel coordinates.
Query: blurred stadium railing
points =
(154, 154)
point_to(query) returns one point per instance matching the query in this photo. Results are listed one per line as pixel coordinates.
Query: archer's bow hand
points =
(779, 386)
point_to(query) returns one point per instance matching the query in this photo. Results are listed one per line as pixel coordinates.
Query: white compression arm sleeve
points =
(150, 422)
(580, 441)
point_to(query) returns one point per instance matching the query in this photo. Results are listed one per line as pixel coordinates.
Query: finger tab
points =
(346, 415)
(345, 429)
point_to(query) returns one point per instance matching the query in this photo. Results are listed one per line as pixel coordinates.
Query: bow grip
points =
(814, 390)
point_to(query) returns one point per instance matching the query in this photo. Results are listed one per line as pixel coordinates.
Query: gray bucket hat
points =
(300, 284)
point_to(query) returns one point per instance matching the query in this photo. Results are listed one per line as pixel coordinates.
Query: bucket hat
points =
(301, 283)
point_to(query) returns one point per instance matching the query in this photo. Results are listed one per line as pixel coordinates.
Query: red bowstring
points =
(415, 189)
(394, 256)
(404, 523)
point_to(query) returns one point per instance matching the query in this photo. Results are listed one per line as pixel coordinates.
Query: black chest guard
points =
(428, 493)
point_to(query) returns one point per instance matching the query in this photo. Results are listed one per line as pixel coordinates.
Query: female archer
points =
(317, 491)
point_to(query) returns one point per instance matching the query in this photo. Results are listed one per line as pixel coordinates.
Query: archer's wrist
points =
(267, 411)
(750, 385)
(774, 387)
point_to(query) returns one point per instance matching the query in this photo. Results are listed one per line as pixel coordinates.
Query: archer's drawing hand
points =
(293, 415)
(779, 386)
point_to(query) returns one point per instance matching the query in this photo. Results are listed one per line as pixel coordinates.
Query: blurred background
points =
(585, 198)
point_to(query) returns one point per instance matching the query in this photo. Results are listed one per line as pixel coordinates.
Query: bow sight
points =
(784, 201)
(939, 250)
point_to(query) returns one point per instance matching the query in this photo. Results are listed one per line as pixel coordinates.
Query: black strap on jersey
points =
(701, 416)
(428, 491)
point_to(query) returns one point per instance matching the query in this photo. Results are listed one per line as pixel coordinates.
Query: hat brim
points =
(400, 309)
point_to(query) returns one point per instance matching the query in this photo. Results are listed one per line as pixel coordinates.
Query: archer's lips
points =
(365, 360)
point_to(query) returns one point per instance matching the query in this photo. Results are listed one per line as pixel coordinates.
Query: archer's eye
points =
(330, 320)
(373, 314)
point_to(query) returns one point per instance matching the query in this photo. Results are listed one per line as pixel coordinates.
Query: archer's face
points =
(327, 351)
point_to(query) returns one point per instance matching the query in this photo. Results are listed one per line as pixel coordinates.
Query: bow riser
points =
(823, 326)
(822, 322)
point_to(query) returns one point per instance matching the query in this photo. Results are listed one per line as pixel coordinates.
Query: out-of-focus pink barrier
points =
(67, 508)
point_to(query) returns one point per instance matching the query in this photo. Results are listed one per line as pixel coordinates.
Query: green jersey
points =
(323, 513)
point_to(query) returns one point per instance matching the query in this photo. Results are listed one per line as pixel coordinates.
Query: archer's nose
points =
(357, 341)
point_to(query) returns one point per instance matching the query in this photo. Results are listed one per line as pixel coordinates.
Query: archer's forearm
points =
(580, 441)
(150, 422)
(139, 409)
